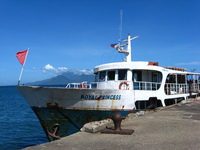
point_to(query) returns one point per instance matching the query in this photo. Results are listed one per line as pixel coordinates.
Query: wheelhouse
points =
(147, 78)
(140, 79)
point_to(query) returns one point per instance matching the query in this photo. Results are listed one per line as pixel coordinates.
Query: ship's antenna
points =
(120, 27)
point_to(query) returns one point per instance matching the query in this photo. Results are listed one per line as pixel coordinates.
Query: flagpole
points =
(22, 68)
(20, 75)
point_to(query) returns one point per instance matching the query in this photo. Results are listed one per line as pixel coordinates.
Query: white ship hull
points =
(84, 99)
(64, 111)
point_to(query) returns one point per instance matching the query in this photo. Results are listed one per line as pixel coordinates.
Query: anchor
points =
(117, 119)
(55, 128)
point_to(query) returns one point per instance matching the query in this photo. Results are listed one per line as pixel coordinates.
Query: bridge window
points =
(102, 76)
(111, 75)
(137, 75)
(122, 74)
(96, 77)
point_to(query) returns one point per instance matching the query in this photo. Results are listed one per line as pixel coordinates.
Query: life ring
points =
(124, 83)
(83, 85)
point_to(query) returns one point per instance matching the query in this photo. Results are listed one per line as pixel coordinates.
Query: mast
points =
(127, 52)
(128, 56)
(119, 47)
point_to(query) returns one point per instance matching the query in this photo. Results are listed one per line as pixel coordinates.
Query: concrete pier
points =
(174, 127)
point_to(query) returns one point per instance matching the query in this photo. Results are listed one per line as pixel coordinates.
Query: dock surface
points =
(174, 127)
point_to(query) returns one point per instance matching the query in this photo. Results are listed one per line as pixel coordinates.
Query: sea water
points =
(19, 126)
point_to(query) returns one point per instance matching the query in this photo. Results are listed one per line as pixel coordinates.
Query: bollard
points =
(117, 119)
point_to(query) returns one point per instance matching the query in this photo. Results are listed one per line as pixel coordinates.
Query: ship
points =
(119, 87)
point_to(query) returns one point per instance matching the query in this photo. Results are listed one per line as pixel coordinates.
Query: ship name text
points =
(101, 97)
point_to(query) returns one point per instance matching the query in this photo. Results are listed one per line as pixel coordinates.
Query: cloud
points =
(61, 70)
(50, 68)
(79, 72)
(190, 63)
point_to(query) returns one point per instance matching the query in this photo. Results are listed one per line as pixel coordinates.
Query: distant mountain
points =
(64, 79)
(79, 77)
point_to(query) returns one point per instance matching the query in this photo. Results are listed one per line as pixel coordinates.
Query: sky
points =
(64, 35)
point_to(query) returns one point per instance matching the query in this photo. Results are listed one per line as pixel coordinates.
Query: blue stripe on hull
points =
(69, 121)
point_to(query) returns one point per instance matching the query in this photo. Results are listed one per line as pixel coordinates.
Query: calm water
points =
(19, 127)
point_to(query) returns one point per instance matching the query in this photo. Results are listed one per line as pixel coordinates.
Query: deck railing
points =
(140, 85)
(173, 88)
(93, 85)
(83, 85)
(115, 85)
(170, 88)
(195, 87)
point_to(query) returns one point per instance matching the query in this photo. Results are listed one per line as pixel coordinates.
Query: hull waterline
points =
(66, 121)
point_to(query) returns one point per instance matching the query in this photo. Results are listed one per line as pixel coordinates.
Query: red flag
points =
(21, 56)
(114, 45)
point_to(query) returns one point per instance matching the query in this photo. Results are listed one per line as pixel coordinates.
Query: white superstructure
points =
(146, 82)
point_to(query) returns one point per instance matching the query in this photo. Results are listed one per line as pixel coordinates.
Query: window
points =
(156, 76)
(96, 77)
(111, 75)
(122, 74)
(137, 75)
(102, 76)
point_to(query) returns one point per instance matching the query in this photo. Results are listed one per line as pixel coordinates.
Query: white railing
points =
(195, 87)
(115, 85)
(140, 85)
(173, 88)
(98, 85)
(83, 85)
